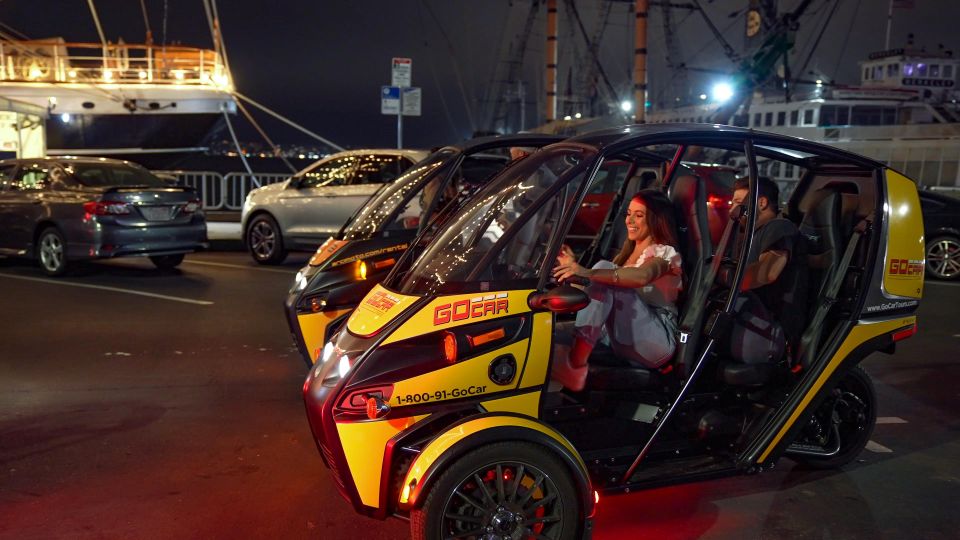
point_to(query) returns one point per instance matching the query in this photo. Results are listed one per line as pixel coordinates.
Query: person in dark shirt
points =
(774, 275)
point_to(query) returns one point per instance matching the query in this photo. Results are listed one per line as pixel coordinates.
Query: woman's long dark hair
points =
(661, 220)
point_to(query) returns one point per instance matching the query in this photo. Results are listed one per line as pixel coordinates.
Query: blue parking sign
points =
(389, 99)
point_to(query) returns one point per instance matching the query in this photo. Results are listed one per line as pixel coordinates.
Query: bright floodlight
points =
(721, 92)
(626, 106)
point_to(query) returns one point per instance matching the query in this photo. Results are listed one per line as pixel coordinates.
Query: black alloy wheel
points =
(265, 241)
(167, 262)
(850, 414)
(52, 252)
(943, 257)
(504, 491)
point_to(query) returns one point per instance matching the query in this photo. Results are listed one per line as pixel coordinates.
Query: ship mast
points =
(551, 58)
(640, 63)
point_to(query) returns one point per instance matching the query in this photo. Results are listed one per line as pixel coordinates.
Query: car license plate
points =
(157, 213)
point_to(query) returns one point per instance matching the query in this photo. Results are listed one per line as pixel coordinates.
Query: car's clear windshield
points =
(113, 175)
(502, 232)
(401, 194)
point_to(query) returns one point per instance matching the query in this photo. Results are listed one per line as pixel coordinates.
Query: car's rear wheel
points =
(842, 425)
(52, 252)
(943, 257)
(265, 240)
(504, 490)
(167, 262)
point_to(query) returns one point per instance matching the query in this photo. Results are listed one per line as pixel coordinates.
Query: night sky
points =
(322, 63)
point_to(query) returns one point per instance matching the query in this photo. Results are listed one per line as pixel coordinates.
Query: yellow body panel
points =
(541, 341)
(376, 309)
(442, 443)
(313, 326)
(458, 310)
(528, 404)
(468, 378)
(904, 264)
(364, 444)
(860, 334)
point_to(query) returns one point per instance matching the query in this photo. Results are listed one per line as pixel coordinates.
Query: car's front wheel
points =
(504, 490)
(167, 262)
(265, 241)
(52, 252)
(943, 257)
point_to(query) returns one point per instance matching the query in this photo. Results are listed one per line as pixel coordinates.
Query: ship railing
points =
(58, 61)
(222, 191)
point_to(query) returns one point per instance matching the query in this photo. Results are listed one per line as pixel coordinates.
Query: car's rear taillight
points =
(191, 207)
(106, 208)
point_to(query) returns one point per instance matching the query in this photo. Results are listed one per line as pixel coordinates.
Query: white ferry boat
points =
(904, 113)
(109, 99)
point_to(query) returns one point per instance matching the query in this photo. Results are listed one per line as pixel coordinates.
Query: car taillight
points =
(905, 333)
(191, 207)
(106, 208)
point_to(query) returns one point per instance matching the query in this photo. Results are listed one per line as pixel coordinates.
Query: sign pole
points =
(400, 123)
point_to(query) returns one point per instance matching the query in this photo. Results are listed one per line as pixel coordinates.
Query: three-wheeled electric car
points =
(349, 264)
(434, 403)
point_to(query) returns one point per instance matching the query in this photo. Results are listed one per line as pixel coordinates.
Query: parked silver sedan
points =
(303, 211)
(59, 210)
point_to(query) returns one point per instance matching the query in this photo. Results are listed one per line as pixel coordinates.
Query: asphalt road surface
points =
(138, 404)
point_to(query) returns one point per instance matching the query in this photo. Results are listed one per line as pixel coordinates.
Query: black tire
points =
(265, 241)
(451, 505)
(51, 252)
(852, 406)
(167, 262)
(943, 258)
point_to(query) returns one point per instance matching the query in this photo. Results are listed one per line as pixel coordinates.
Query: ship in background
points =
(162, 106)
(902, 112)
(142, 102)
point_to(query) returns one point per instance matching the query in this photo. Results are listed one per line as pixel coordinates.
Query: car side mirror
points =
(562, 299)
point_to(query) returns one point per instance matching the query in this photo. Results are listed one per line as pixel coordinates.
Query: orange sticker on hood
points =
(379, 307)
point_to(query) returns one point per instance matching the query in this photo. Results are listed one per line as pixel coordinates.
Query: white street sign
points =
(389, 100)
(402, 72)
(411, 101)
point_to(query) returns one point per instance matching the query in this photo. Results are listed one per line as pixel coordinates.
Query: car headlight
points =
(327, 352)
(344, 366)
(300, 281)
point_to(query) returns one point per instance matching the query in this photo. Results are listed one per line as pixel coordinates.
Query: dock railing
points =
(223, 191)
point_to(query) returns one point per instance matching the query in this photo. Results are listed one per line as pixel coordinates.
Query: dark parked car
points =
(63, 209)
(941, 224)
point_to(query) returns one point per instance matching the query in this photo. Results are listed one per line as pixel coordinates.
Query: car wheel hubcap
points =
(504, 501)
(51, 252)
(943, 258)
(262, 239)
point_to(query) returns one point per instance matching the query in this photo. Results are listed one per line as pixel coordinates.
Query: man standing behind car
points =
(773, 274)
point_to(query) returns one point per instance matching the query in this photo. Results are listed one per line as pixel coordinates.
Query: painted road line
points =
(890, 420)
(112, 289)
(241, 267)
(878, 448)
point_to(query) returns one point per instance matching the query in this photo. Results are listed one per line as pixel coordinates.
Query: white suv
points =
(312, 205)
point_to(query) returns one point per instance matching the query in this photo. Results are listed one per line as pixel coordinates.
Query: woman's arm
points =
(621, 277)
(629, 276)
